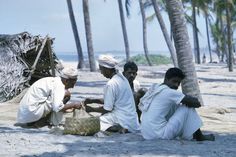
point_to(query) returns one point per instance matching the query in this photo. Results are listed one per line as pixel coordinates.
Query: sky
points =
(42, 17)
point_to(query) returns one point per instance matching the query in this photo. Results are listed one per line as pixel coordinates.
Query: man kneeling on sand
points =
(118, 112)
(168, 113)
(45, 101)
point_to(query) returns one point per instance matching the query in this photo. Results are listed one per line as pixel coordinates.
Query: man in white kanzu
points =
(45, 101)
(168, 113)
(118, 112)
(130, 72)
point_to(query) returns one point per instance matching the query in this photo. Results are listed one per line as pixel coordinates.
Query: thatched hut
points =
(23, 60)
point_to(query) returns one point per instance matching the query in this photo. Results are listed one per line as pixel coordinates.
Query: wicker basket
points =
(84, 126)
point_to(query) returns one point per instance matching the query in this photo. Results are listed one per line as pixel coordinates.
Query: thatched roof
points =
(23, 60)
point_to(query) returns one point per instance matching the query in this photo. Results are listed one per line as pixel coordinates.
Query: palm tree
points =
(208, 37)
(125, 36)
(183, 48)
(165, 33)
(216, 36)
(196, 7)
(228, 6)
(219, 9)
(76, 36)
(195, 34)
(144, 31)
(204, 6)
(89, 36)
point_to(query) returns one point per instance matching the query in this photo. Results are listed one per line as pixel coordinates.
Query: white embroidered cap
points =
(107, 61)
(69, 73)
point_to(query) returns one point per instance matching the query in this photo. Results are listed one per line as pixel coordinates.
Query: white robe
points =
(44, 96)
(136, 85)
(163, 117)
(118, 98)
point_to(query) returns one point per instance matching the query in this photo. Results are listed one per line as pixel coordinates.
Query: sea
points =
(119, 55)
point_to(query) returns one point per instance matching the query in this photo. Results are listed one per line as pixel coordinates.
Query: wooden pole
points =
(39, 53)
(52, 65)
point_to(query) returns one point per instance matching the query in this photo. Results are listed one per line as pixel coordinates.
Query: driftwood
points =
(23, 60)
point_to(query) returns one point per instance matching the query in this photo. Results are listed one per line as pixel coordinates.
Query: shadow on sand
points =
(91, 83)
(134, 145)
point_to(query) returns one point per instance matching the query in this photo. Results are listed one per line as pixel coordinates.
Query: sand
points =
(217, 86)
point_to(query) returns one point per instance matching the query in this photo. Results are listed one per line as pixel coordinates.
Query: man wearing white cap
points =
(118, 111)
(44, 102)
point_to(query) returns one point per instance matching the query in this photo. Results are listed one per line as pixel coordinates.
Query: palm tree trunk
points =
(144, 32)
(224, 46)
(228, 18)
(195, 35)
(76, 36)
(183, 48)
(89, 36)
(165, 33)
(122, 18)
(208, 38)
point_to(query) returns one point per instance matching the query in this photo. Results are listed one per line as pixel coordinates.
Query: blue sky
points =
(42, 17)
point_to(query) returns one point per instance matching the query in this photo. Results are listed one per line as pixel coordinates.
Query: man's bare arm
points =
(96, 109)
(190, 101)
(76, 105)
(91, 100)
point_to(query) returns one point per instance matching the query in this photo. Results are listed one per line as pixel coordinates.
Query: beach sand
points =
(217, 86)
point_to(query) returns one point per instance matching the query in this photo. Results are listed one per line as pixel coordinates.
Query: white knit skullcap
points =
(69, 73)
(107, 61)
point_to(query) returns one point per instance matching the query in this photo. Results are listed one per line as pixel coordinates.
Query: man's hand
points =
(195, 105)
(190, 101)
(78, 105)
(88, 109)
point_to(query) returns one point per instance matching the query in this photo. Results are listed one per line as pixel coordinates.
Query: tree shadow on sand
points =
(154, 75)
(221, 95)
(217, 80)
(91, 83)
(12, 130)
(134, 145)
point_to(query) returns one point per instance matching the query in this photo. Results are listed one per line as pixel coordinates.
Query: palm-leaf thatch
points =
(23, 60)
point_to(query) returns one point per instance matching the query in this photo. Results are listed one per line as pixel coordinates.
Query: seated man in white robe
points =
(45, 101)
(168, 113)
(130, 72)
(118, 112)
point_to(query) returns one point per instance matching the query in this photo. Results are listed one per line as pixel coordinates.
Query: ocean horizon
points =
(120, 55)
(73, 56)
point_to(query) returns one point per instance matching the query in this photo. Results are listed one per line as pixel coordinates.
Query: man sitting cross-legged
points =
(118, 111)
(168, 113)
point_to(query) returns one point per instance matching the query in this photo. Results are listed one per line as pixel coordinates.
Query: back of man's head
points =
(174, 72)
(107, 61)
(69, 73)
(130, 65)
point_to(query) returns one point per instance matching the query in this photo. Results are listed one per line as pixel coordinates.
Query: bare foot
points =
(209, 137)
(27, 125)
(123, 131)
(199, 136)
(117, 128)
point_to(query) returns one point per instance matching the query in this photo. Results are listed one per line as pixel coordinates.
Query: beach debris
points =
(24, 59)
(222, 110)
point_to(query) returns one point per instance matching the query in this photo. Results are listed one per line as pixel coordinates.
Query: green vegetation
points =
(155, 59)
